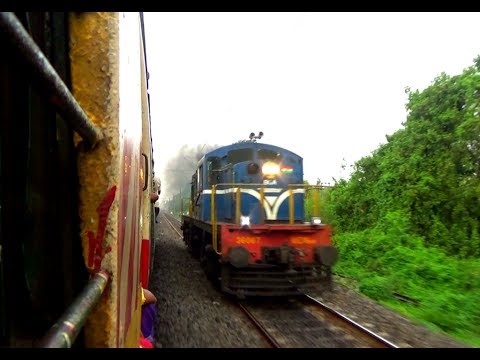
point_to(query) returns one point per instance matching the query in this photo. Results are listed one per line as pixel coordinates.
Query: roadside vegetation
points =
(406, 222)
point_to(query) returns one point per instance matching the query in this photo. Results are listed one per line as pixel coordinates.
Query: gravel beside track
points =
(192, 313)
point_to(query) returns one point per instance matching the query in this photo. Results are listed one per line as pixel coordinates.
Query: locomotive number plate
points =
(299, 240)
(248, 240)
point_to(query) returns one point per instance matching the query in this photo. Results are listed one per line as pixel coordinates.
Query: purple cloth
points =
(148, 320)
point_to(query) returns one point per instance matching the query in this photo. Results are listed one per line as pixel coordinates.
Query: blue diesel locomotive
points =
(247, 224)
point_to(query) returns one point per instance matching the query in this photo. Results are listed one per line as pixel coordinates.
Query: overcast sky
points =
(327, 86)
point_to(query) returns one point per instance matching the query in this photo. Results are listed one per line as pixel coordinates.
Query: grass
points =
(447, 289)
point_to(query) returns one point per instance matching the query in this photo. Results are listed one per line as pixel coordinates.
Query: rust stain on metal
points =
(94, 71)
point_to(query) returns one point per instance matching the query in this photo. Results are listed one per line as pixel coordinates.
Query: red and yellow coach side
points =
(76, 171)
(116, 177)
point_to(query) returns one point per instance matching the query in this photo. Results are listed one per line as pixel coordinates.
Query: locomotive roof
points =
(221, 151)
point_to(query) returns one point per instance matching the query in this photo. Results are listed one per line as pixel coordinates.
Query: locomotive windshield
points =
(266, 154)
(239, 155)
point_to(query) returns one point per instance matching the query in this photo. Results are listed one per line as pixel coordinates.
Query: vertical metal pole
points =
(262, 202)
(316, 193)
(291, 204)
(181, 203)
(213, 219)
(238, 206)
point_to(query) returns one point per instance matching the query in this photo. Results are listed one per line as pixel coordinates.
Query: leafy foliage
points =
(407, 220)
(386, 261)
(429, 170)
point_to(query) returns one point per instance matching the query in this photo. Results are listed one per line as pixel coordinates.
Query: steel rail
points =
(171, 225)
(260, 327)
(351, 322)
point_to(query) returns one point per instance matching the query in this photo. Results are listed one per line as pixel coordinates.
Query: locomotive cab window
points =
(266, 154)
(200, 178)
(293, 160)
(213, 169)
(193, 187)
(239, 155)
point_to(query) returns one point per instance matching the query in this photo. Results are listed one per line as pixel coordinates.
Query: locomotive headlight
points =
(270, 169)
(244, 220)
(316, 220)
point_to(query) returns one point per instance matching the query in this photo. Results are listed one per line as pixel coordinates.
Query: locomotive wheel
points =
(195, 247)
(210, 265)
(326, 281)
(203, 257)
(213, 271)
(329, 279)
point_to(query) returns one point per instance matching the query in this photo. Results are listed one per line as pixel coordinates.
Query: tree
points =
(429, 170)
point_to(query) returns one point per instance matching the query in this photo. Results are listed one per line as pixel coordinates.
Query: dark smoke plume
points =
(179, 169)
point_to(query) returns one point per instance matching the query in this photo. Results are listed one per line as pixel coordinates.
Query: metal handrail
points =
(64, 332)
(237, 186)
(61, 97)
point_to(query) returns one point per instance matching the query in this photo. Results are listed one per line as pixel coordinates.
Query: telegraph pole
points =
(181, 202)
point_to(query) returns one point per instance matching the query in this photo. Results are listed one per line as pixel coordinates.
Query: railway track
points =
(173, 222)
(305, 322)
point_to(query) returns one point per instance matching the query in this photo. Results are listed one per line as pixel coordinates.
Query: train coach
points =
(76, 170)
(247, 222)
